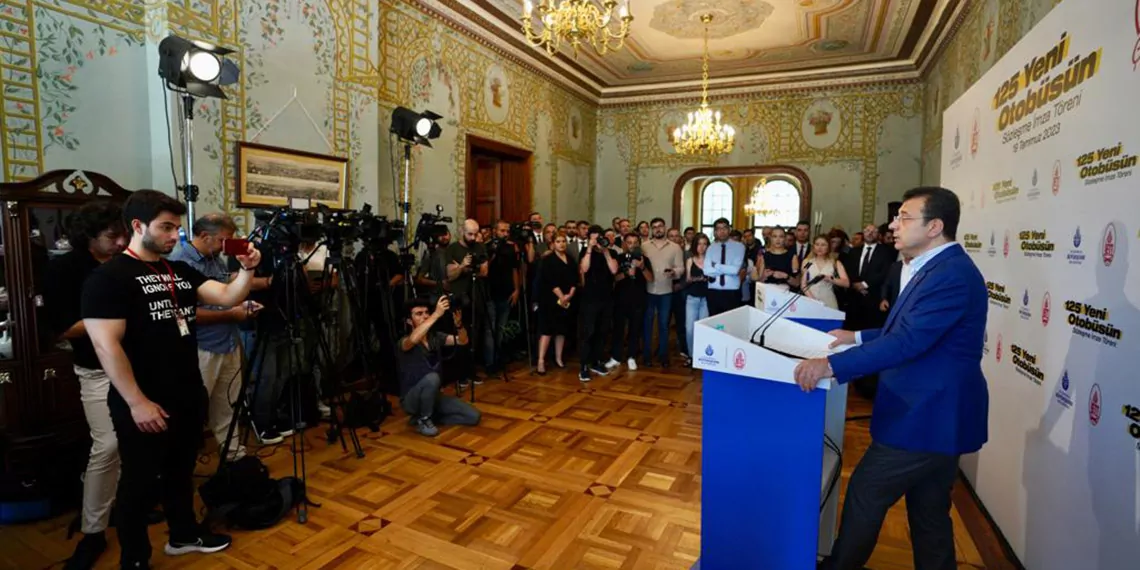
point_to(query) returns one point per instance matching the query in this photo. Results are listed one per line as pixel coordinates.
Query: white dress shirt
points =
(732, 252)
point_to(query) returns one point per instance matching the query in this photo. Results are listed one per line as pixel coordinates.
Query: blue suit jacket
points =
(932, 396)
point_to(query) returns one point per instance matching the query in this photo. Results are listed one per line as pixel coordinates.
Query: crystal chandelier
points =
(757, 205)
(577, 22)
(704, 133)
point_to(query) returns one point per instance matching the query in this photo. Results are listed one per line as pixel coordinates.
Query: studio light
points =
(193, 69)
(415, 128)
(196, 68)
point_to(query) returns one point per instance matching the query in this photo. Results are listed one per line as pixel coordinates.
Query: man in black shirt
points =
(630, 298)
(466, 268)
(420, 361)
(97, 234)
(503, 293)
(598, 268)
(139, 311)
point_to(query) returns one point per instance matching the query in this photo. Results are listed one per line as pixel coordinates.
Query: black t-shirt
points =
(633, 289)
(599, 283)
(455, 253)
(501, 271)
(419, 361)
(164, 361)
(63, 292)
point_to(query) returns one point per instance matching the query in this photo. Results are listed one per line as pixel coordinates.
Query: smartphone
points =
(233, 247)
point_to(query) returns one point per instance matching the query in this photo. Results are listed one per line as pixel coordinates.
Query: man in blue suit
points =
(932, 403)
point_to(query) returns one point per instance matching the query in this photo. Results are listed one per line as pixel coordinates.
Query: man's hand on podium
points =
(842, 337)
(809, 372)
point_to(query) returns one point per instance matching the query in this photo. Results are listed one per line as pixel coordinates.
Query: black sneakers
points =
(90, 547)
(205, 543)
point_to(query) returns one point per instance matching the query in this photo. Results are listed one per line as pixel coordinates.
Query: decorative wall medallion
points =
(821, 124)
(496, 94)
(575, 128)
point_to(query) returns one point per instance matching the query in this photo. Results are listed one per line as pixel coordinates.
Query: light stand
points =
(189, 189)
(412, 128)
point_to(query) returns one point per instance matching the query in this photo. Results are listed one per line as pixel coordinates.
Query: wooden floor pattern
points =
(559, 475)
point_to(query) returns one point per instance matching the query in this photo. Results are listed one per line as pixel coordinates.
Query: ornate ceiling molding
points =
(930, 28)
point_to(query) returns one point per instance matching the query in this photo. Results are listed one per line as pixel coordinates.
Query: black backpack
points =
(242, 495)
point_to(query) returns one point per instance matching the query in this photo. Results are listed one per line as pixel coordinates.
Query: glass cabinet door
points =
(6, 347)
(48, 242)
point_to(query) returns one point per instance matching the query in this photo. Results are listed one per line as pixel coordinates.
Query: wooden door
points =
(485, 204)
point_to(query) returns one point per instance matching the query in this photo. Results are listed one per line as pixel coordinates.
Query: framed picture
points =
(269, 176)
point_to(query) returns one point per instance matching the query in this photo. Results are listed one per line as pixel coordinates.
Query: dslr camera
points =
(625, 260)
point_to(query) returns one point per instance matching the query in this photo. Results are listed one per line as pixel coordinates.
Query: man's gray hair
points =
(214, 224)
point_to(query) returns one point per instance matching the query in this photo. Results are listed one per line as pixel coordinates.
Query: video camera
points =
(626, 259)
(522, 233)
(340, 226)
(432, 227)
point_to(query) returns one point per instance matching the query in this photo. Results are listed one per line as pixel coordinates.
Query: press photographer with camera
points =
(420, 367)
(140, 311)
(467, 266)
(596, 308)
(631, 295)
(504, 290)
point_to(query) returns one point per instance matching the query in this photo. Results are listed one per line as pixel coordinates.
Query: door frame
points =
(508, 153)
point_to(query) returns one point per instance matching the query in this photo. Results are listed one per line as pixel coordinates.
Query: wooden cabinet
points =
(42, 426)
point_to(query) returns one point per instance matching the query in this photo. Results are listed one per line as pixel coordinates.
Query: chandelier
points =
(577, 22)
(704, 133)
(758, 204)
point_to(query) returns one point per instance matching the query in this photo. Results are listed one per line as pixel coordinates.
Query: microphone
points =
(763, 328)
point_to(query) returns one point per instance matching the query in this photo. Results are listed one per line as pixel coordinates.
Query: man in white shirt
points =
(724, 266)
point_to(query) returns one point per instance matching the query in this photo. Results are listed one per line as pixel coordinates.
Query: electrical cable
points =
(169, 135)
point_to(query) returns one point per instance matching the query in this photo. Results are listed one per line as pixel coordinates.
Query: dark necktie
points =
(723, 253)
(866, 258)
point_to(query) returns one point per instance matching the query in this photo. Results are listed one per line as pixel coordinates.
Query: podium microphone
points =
(763, 328)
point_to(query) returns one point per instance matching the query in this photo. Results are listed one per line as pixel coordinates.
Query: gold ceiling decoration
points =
(704, 133)
(577, 22)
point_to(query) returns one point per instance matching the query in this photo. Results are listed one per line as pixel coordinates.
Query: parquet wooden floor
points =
(559, 475)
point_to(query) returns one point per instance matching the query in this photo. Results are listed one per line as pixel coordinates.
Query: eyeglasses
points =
(907, 218)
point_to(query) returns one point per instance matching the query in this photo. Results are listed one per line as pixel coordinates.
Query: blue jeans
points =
(696, 308)
(658, 305)
(497, 313)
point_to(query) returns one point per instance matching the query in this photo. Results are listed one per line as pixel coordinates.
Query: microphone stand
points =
(763, 328)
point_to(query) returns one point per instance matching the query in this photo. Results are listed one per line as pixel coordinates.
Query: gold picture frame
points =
(269, 176)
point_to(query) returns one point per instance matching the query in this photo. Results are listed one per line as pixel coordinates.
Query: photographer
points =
(467, 262)
(432, 269)
(598, 268)
(503, 285)
(140, 313)
(420, 361)
(630, 297)
(97, 234)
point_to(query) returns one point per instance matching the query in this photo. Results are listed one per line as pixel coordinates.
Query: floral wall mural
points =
(80, 90)
(988, 29)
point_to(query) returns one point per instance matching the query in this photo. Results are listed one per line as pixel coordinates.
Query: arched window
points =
(780, 201)
(716, 203)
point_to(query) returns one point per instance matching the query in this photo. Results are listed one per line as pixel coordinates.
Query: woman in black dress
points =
(557, 283)
(777, 264)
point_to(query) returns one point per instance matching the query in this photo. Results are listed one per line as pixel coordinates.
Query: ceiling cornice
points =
(490, 27)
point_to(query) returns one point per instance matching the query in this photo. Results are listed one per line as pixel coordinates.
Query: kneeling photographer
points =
(420, 365)
(467, 267)
(503, 284)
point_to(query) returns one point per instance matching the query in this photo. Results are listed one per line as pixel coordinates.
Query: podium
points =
(769, 474)
(803, 310)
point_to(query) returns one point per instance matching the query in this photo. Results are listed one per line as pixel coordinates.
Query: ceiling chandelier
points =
(758, 204)
(577, 22)
(704, 133)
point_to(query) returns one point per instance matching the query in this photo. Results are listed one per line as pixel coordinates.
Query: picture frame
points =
(269, 176)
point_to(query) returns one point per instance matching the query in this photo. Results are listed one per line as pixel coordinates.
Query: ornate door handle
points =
(49, 374)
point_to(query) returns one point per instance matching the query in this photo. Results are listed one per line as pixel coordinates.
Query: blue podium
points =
(770, 452)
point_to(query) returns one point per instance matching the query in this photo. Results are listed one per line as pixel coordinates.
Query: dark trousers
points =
(629, 316)
(721, 300)
(594, 318)
(658, 306)
(677, 312)
(496, 322)
(884, 476)
(158, 467)
(425, 401)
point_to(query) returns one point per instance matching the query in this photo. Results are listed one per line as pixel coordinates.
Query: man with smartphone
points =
(219, 358)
